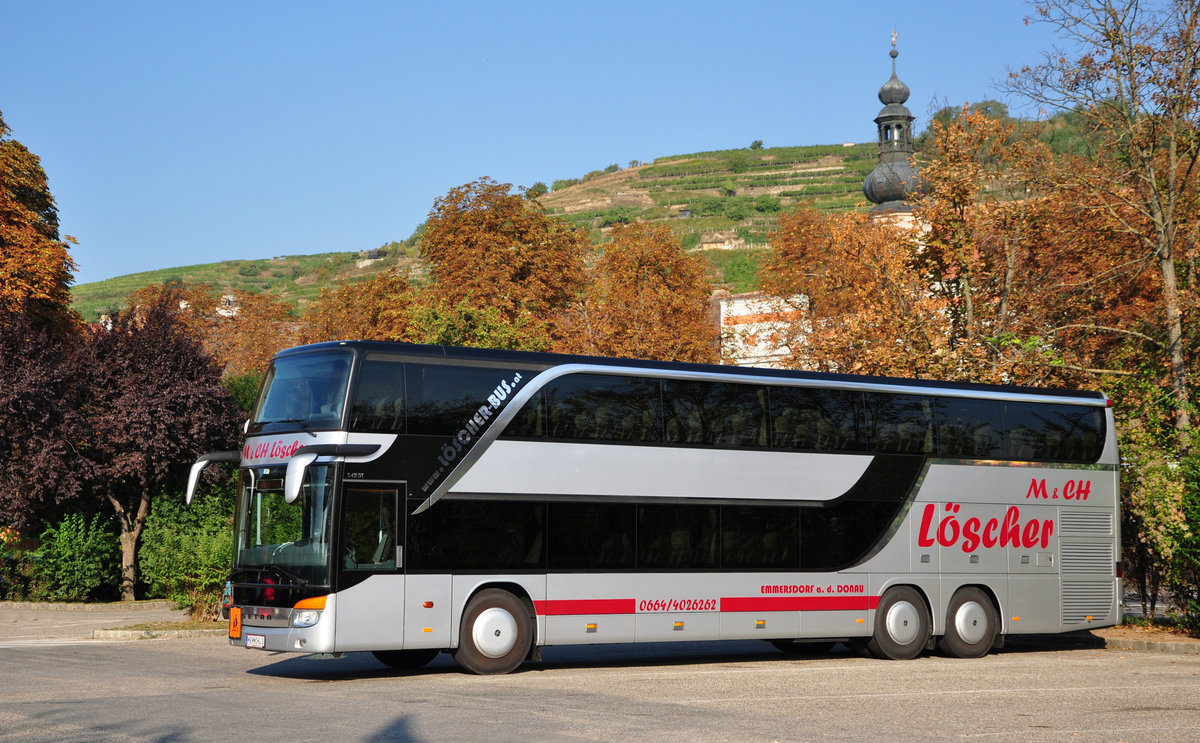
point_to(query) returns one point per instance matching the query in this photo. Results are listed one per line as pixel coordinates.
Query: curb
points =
(1152, 646)
(153, 605)
(154, 634)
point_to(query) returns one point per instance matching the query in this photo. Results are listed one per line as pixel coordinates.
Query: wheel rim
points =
(971, 622)
(494, 632)
(903, 622)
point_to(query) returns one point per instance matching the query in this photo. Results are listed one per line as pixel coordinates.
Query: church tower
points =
(893, 178)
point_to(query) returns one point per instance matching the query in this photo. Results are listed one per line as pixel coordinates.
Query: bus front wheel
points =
(901, 625)
(496, 633)
(971, 624)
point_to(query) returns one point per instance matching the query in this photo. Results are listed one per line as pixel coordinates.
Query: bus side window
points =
(970, 428)
(598, 407)
(530, 421)
(378, 404)
(369, 530)
(901, 423)
(715, 414)
(817, 420)
(1054, 432)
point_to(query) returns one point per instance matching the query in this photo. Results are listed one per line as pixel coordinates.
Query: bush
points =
(17, 578)
(186, 552)
(243, 390)
(78, 560)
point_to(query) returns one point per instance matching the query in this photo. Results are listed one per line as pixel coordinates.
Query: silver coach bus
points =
(407, 500)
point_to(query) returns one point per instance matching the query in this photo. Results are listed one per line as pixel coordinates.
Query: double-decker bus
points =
(407, 500)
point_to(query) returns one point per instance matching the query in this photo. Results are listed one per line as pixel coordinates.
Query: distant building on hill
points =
(752, 328)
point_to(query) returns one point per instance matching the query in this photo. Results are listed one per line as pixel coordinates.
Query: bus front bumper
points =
(275, 630)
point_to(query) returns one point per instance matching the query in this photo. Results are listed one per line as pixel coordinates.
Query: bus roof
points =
(547, 360)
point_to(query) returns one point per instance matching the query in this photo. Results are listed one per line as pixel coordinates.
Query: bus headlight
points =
(305, 618)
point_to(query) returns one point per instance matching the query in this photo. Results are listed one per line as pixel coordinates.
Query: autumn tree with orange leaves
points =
(646, 298)
(857, 304)
(374, 309)
(250, 333)
(35, 267)
(1134, 77)
(489, 247)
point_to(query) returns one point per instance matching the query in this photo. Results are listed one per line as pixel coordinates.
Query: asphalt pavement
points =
(25, 623)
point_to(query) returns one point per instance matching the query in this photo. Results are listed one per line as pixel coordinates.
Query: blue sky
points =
(183, 133)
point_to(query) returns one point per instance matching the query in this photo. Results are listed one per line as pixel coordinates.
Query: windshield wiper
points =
(300, 422)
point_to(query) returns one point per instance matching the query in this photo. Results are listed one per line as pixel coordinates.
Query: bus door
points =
(369, 611)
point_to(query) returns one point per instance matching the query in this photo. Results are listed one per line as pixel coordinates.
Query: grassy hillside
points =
(295, 278)
(721, 204)
(728, 196)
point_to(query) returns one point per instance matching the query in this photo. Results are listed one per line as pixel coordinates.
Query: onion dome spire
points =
(893, 178)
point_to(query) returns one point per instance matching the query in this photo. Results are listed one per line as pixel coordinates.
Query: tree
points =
(756, 144)
(372, 309)
(853, 301)
(646, 298)
(469, 323)
(153, 402)
(1135, 78)
(35, 266)
(500, 250)
(260, 326)
(41, 428)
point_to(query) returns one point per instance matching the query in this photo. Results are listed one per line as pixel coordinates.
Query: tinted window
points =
(369, 529)
(676, 537)
(836, 537)
(760, 537)
(378, 398)
(1054, 432)
(591, 536)
(442, 398)
(901, 423)
(822, 420)
(597, 407)
(477, 535)
(970, 428)
(715, 413)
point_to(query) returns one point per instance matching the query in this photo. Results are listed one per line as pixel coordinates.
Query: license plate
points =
(256, 641)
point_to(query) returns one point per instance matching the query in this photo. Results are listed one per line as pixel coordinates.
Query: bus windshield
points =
(306, 391)
(278, 542)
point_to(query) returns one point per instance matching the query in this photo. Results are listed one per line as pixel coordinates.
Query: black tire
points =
(972, 623)
(404, 660)
(901, 625)
(496, 633)
(800, 647)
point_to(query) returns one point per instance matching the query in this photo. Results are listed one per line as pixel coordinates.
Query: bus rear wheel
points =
(971, 624)
(496, 633)
(404, 660)
(902, 627)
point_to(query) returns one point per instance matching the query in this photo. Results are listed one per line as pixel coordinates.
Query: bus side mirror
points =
(203, 461)
(295, 475)
(194, 477)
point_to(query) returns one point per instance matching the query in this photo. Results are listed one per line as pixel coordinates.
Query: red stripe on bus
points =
(570, 607)
(800, 603)
(561, 607)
